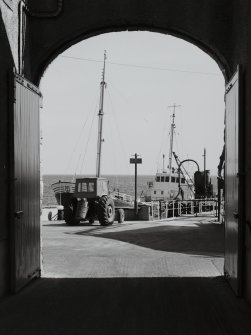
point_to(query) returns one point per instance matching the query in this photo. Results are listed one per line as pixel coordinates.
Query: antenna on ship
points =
(100, 120)
(174, 106)
(205, 171)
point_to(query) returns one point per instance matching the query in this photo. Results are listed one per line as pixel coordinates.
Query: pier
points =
(160, 277)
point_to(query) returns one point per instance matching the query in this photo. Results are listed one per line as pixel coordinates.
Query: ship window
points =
(82, 187)
(167, 179)
(162, 179)
(158, 178)
(91, 187)
(173, 179)
(154, 192)
(162, 192)
(183, 181)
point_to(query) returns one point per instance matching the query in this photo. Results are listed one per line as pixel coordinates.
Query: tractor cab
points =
(91, 187)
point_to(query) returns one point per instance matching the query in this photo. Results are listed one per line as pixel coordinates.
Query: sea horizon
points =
(124, 183)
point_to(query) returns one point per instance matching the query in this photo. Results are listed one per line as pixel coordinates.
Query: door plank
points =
(25, 193)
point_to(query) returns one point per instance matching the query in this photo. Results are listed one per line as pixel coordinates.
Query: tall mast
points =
(171, 138)
(100, 120)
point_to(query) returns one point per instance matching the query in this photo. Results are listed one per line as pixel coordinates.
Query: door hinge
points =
(36, 273)
(18, 214)
(14, 93)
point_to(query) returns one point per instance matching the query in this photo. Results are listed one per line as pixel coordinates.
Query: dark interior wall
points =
(221, 28)
(6, 68)
(241, 54)
(209, 25)
(244, 56)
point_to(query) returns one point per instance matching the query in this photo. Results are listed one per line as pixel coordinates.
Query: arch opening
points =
(147, 123)
(69, 41)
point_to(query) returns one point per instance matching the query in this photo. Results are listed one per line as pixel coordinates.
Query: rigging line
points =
(118, 129)
(114, 156)
(87, 144)
(81, 133)
(164, 138)
(176, 142)
(121, 94)
(181, 132)
(161, 146)
(82, 155)
(148, 67)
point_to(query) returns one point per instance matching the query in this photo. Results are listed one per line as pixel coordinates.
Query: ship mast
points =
(171, 139)
(100, 120)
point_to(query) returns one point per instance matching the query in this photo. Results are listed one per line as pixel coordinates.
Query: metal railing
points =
(173, 208)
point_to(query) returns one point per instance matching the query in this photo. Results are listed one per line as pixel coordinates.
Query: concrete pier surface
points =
(171, 285)
(183, 247)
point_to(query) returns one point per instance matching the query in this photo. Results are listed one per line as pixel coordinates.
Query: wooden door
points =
(233, 215)
(25, 183)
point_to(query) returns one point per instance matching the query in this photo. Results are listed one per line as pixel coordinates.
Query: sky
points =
(145, 74)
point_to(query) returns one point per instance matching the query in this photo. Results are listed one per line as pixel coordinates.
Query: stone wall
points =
(9, 12)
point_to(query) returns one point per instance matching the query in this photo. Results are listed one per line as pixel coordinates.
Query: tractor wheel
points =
(72, 222)
(68, 215)
(121, 215)
(50, 215)
(106, 211)
(91, 220)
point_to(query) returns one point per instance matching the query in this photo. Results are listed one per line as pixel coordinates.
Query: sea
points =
(121, 183)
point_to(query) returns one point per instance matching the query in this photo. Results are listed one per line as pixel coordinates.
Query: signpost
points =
(136, 161)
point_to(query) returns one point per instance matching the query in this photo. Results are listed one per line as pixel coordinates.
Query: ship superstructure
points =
(170, 183)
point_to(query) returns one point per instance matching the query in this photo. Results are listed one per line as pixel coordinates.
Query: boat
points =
(170, 183)
(64, 191)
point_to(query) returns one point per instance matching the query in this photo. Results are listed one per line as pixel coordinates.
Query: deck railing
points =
(173, 208)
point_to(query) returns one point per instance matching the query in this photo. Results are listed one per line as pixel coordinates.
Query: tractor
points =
(90, 201)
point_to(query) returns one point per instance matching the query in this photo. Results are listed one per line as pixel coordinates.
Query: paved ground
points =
(190, 247)
(200, 302)
(126, 306)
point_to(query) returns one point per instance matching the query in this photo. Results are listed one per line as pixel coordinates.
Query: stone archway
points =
(220, 28)
(200, 25)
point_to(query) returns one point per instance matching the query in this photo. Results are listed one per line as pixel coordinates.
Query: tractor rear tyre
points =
(72, 222)
(91, 220)
(68, 216)
(106, 211)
